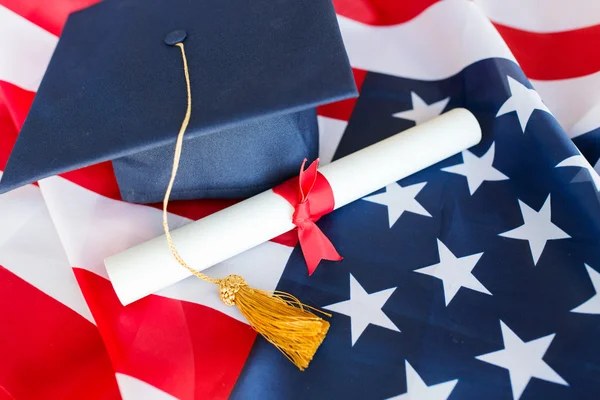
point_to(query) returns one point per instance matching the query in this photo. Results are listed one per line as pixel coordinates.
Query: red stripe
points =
(8, 132)
(18, 102)
(47, 350)
(343, 109)
(381, 12)
(550, 56)
(185, 349)
(4, 395)
(51, 17)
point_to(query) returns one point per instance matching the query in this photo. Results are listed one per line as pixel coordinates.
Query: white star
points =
(418, 390)
(523, 360)
(522, 100)
(364, 309)
(455, 273)
(537, 229)
(399, 199)
(421, 111)
(592, 306)
(580, 162)
(477, 169)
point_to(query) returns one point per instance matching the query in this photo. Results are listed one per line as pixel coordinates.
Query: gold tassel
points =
(279, 317)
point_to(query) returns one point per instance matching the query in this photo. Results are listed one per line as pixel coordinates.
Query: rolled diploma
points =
(150, 266)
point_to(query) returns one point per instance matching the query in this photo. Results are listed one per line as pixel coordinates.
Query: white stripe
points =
(134, 389)
(330, 134)
(31, 249)
(437, 44)
(542, 16)
(93, 227)
(574, 102)
(25, 50)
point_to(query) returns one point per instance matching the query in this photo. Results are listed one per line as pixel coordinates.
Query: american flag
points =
(477, 278)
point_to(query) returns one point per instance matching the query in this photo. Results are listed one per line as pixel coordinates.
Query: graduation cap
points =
(114, 91)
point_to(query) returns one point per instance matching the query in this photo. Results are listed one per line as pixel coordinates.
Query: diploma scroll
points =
(150, 266)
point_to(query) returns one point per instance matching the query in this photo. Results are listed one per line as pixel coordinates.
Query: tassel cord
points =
(176, 158)
(292, 327)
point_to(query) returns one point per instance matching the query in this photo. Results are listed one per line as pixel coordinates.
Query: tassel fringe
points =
(279, 317)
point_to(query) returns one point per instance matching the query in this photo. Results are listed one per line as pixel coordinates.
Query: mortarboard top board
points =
(115, 91)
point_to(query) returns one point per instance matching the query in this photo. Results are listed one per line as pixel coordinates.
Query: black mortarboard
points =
(115, 91)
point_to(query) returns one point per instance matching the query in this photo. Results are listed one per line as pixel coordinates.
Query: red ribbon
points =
(311, 196)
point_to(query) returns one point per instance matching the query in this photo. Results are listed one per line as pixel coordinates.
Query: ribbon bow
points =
(311, 196)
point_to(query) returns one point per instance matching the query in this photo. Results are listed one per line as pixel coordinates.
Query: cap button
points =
(178, 36)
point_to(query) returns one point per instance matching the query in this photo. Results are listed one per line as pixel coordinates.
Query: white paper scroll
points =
(150, 267)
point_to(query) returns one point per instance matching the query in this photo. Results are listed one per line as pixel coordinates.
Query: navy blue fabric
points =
(441, 342)
(589, 145)
(114, 88)
(267, 152)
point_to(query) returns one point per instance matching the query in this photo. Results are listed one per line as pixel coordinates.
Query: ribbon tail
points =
(315, 246)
